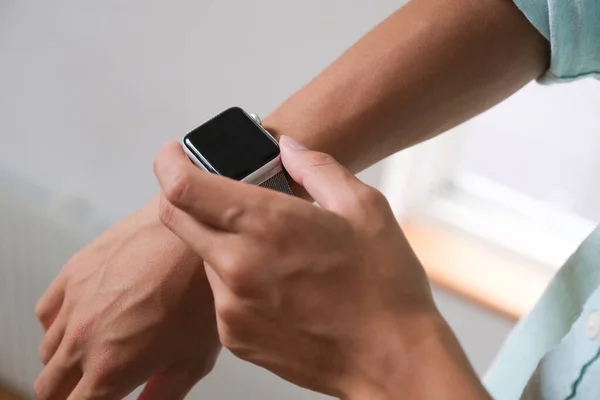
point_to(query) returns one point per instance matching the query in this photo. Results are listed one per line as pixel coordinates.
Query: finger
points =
(221, 293)
(211, 199)
(203, 239)
(53, 338)
(221, 251)
(173, 384)
(328, 182)
(49, 305)
(83, 390)
(58, 378)
(87, 388)
(110, 379)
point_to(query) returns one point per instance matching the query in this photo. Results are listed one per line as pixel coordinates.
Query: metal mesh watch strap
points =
(278, 182)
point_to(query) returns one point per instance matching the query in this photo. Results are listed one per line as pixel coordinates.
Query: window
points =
(519, 179)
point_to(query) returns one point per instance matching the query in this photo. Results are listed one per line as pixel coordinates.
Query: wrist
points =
(148, 216)
(420, 358)
(277, 128)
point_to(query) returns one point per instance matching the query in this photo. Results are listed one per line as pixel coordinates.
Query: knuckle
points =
(44, 353)
(233, 216)
(227, 339)
(91, 394)
(72, 344)
(371, 199)
(229, 313)
(271, 226)
(230, 340)
(318, 159)
(45, 390)
(76, 335)
(40, 391)
(377, 214)
(240, 351)
(105, 368)
(266, 232)
(238, 272)
(277, 216)
(239, 283)
(166, 213)
(80, 329)
(101, 375)
(230, 261)
(178, 186)
(41, 311)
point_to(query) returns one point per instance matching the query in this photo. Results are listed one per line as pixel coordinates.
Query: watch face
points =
(232, 144)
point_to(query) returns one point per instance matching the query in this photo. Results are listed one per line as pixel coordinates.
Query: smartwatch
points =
(235, 145)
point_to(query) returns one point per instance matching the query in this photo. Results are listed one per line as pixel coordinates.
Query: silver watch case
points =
(257, 177)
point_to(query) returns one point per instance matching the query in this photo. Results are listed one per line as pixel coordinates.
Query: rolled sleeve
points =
(573, 29)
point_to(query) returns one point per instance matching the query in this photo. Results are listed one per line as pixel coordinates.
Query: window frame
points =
(505, 246)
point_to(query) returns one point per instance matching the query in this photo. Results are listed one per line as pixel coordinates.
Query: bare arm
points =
(427, 68)
(430, 66)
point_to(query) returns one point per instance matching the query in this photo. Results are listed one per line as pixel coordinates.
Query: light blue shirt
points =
(549, 352)
(554, 352)
(573, 29)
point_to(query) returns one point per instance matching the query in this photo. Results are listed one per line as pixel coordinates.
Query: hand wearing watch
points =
(235, 145)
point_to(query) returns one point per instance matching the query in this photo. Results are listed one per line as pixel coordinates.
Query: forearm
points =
(427, 68)
(420, 360)
(441, 371)
(430, 66)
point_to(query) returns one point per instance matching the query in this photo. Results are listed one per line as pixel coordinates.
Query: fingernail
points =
(291, 143)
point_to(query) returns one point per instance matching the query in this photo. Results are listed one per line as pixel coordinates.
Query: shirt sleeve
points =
(573, 29)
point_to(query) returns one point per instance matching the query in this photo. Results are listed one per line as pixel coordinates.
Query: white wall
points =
(90, 90)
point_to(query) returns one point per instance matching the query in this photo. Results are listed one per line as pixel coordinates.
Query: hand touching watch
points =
(331, 298)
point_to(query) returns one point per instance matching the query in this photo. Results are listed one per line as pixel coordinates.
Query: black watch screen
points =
(232, 144)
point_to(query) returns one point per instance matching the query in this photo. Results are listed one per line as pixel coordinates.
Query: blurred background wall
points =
(88, 93)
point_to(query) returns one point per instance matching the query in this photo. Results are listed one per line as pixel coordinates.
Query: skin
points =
(430, 66)
(331, 298)
(115, 307)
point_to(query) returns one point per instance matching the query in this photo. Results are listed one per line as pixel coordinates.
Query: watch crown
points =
(256, 118)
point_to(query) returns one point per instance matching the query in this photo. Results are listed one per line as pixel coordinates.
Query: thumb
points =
(173, 384)
(326, 180)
